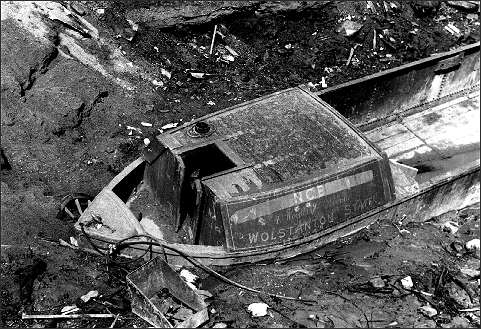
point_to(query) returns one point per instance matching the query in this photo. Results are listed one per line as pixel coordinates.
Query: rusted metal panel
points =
(165, 178)
(305, 210)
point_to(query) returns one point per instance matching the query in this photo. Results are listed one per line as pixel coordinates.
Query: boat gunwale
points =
(399, 69)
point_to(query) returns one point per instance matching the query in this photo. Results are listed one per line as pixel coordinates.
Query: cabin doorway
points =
(199, 163)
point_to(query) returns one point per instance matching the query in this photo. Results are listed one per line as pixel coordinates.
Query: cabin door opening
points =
(199, 162)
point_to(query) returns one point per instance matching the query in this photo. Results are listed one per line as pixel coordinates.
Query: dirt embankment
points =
(71, 87)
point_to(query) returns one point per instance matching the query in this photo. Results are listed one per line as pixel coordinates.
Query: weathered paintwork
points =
(303, 210)
(285, 145)
(275, 141)
(450, 193)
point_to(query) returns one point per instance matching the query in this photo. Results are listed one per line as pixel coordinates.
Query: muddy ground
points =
(64, 130)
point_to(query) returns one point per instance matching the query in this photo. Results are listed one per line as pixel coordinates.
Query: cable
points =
(123, 245)
(106, 255)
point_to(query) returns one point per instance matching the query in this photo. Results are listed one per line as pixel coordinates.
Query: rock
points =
(202, 12)
(459, 322)
(472, 17)
(349, 28)
(458, 294)
(473, 245)
(469, 6)
(450, 227)
(407, 282)
(470, 272)
(5, 165)
(91, 294)
(77, 7)
(428, 311)
(56, 108)
(377, 283)
(258, 309)
(23, 57)
(424, 8)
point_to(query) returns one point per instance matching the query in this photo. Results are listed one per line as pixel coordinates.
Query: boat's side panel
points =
(210, 229)
(441, 131)
(164, 177)
(397, 90)
(301, 212)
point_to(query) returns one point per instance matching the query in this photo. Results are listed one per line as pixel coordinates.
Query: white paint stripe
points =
(295, 198)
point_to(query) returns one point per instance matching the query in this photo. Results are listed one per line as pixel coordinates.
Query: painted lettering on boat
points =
(300, 197)
(305, 211)
(301, 226)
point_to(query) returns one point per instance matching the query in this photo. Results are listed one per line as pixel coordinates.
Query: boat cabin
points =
(265, 172)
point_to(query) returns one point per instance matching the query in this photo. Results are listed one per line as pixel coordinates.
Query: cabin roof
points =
(275, 140)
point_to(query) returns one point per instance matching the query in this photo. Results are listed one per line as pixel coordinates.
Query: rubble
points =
(469, 6)
(169, 125)
(154, 289)
(470, 272)
(377, 283)
(451, 227)
(428, 311)
(258, 309)
(69, 309)
(91, 294)
(473, 245)
(453, 30)
(459, 295)
(349, 28)
(407, 282)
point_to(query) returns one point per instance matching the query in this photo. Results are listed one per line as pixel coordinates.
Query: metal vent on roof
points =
(200, 129)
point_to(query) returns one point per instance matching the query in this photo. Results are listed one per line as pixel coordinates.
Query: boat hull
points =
(451, 193)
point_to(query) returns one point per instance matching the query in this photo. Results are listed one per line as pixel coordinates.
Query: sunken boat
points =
(286, 173)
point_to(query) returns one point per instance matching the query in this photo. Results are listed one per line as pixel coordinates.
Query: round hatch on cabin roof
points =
(200, 129)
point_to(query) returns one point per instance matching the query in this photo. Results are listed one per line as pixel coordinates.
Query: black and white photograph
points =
(240, 164)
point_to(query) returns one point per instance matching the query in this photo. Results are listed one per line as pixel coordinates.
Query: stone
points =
(428, 311)
(460, 322)
(258, 309)
(77, 8)
(458, 294)
(202, 12)
(469, 6)
(23, 57)
(349, 28)
(407, 282)
(472, 273)
(377, 283)
(473, 245)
